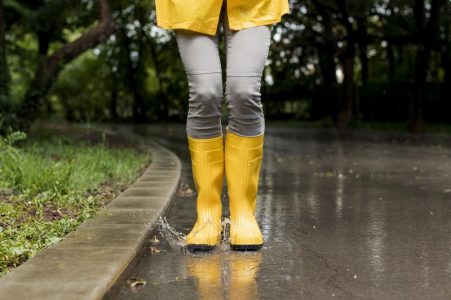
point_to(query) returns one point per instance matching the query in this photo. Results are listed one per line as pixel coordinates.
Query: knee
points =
(205, 97)
(243, 96)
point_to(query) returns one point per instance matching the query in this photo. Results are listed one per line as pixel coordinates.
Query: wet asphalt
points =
(344, 215)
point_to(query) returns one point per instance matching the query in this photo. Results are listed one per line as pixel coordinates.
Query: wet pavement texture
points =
(344, 215)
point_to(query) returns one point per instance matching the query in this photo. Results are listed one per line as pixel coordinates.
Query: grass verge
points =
(49, 185)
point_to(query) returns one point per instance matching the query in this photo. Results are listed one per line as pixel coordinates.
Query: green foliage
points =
(137, 73)
(10, 157)
(49, 186)
(83, 90)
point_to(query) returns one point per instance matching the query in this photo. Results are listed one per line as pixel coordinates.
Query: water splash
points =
(225, 234)
(176, 240)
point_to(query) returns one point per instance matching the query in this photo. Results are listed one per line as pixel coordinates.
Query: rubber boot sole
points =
(246, 247)
(199, 248)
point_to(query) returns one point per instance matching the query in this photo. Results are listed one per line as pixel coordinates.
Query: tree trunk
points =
(416, 109)
(346, 113)
(50, 67)
(328, 66)
(132, 80)
(426, 33)
(362, 34)
(4, 73)
(391, 63)
(446, 56)
(328, 49)
(113, 101)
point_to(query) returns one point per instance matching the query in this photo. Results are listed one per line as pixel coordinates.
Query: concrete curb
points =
(86, 263)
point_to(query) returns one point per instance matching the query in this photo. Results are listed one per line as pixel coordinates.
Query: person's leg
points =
(200, 56)
(247, 51)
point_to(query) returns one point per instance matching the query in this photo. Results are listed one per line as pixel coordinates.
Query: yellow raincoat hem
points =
(211, 30)
(211, 27)
(260, 22)
(250, 24)
(198, 27)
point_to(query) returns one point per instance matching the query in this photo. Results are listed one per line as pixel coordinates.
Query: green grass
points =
(48, 186)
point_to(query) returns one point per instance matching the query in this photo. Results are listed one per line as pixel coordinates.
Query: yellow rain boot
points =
(243, 156)
(207, 159)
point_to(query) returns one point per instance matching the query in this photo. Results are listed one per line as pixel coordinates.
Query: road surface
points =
(344, 215)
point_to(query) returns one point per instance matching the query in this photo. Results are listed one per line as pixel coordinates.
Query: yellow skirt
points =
(203, 15)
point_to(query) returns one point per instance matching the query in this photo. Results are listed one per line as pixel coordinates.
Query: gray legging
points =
(246, 53)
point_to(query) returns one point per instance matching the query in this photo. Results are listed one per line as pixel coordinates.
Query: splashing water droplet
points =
(225, 234)
(175, 239)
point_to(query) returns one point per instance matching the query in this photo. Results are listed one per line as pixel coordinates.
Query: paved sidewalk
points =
(87, 261)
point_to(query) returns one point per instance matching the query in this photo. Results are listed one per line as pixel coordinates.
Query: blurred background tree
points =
(339, 61)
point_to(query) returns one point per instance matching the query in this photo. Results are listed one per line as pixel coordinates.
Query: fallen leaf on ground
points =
(135, 282)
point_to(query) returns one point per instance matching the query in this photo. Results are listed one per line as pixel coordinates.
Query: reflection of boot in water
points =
(207, 272)
(243, 271)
